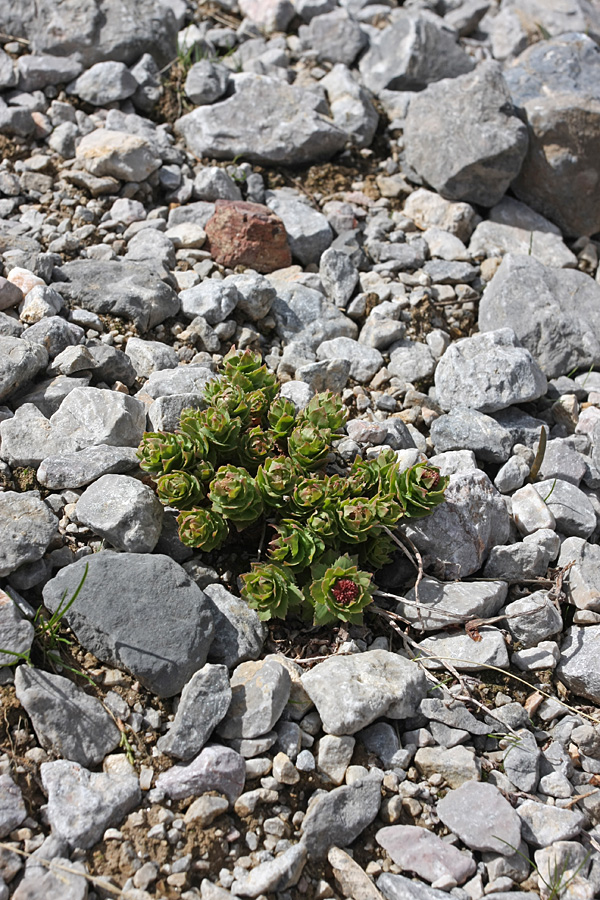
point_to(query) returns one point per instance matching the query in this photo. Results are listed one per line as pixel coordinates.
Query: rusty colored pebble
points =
(247, 234)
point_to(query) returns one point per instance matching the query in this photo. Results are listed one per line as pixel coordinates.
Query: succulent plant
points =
(270, 590)
(282, 416)
(323, 522)
(234, 494)
(309, 494)
(162, 452)
(219, 394)
(420, 489)
(339, 590)
(258, 404)
(246, 370)
(325, 410)
(308, 446)
(276, 479)
(203, 528)
(294, 545)
(222, 431)
(254, 447)
(191, 424)
(356, 518)
(377, 551)
(180, 489)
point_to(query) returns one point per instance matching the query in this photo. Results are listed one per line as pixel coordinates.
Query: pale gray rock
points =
(454, 461)
(54, 334)
(239, 633)
(453, 714)
(427, 210)
(521, 760)
(126, 289)
(148, 356)
(8, 72)
(309, 233)
(511, 476)
(516, 562)
(555, 85)
(122, 511)
(256, 294)
(411, 53)
(12, 807)
(340, 816)
(294, 130)
(334, 755)
(582, 581)
(457, 537)
(114, 154)
(571, 508)
(103, 83)
(149, 88)
(260, 691)
(27, 526)
(456, 765)
(163, 644)
(468, 428)
(479, 814)
(463, 652)
(20, 361)
(164, 414)
(37, 72)
(206, 82)
(545, 655)
(339, 276)
(16, 633)
(80, 468)
(411, 361)
(367, 685)
(54, 882)
(536, 618)
(216, 768)
(204, 701)
(484, 142)
(578, 662)
(29, 436)
(562, 461)
(553, 312)
(543, 825)
(351, 105)
(530, 512)
(380, 331)
(278, 874)
(304, 315)
(398, 887)
(452, 603)
(513, 227)
(93, 416)
(83, 804)
(334, 37)
(488, 372)
(213, 300)
(189, 379)
(365, 361)
(66, 720)
(152, 248)
(213, 183)
(420, 851)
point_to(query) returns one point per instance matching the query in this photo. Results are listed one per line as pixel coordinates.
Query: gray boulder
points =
(122, 511)
(103, 83)
(140, 612)
(20, 361)
(555, 313)
(338, 817)
(469, 429)
(293, 129)
(239, 633)
(78, 469)
(457, 601)
(27, 526)
(463, 137)
(334, 37)
(304, 315)
(91, 416)
(309, 233)
(479, 814)
(578, 665)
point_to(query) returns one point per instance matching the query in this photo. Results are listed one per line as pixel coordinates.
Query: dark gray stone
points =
(239, 633)
(216, 768)
(78, 469)
(122, 511)
(337, 818)
(479, 814)
(334, 37)
(260, 693)
(571, 508)
(204, 701)
(578, 665)
(20, 361)
(465, 428)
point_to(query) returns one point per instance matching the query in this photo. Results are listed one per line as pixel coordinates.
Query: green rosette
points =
(245, 369)
(234, 494)
(161, 452)
(254, 448)
(270, 590)
(182, 490)
(229, 397)
(276, 479)
(202, 528)
(356, 517)
(324, 523)
(281, 417)
(309, 446)
(294, 546)
(308, 495)
(377, 551)
(258, 404)
(325, 410)
(337, 487)
(339, 590)
(419, 489)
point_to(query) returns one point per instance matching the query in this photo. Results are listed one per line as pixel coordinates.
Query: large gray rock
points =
(128, 290)
(488, 372)
(399, 887)
(92, 416)
(338, 817)
(571, 508)
(216, 768)
(334, 37)
(239, 633)
(20, 361)
(555, 313)
(411, 53)
(469, 429)
(29, 436)
(578, 666)
(556, 85)
(80, 468)
(463, 652)
(113, 154)
(420, 851)
(140, 612)
(479, 814)
(582, 580)
(204, 701)
(122, 511)
(352, 691)
(27, 526)
(457, 537)
(293, 129)
(463, 138)
(457, 601)
(66, 720)
(365, 361)
(104, 83)
(533, 618)
(351, 105)
(543, 825)
(83, 804)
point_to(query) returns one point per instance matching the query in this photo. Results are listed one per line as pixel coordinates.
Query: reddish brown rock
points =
(247, 234)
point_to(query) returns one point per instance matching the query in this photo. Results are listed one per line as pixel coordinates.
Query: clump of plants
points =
(250, 458)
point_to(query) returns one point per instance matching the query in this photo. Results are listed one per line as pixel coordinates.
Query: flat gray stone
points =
(303, 314)
(122, 511)
(488, 372)
(206, 82)
(334, 37)
(367, 686)
(239, 634)
(340, 816)
(213, 300)
(161, 644)
(571, 508)
(455, 540)
(453, 714)
(148, 356)
(365, 362)
(93, 416)
(278, 874)
(309, 233)
(521, 761)
(293, 130)
(29, 436)
(398, 887)
(444, 604)
(465, 428)
(204, 701)
(78, 469)
(47, 395)
(66, 720)
(582, 580)
(27, 526)
(456, 765)
(83, 804)
(12, 806)
(420, 851)
(182, 380)
(543, 825)
(516, 562)
(216, 768)
(351, 105)
(411, 361)
(104, 83)
(55, 882)
(536, 618)
(464, 653)
(578, 661)
(20, 361)
(480, 816)
(555, 313)
(260, 691)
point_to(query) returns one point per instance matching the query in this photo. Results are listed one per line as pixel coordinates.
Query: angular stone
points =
(78, 469)
(351, 105)
(27, 526)
(365, 362)
(206, 82)
(466, 428)
(334, 37)
(213, 300)
(456, 765)
(516, 562)
(351, 878)
(304, 315)
(530, 513)
(28, 436)
(533, 618)
(247, 234)
(411, 361)
(278, 874)
(340, 816)
(367, 686)
(116, 155)
(420, 851)
(293, 129)
(452, 603)
(54, 883)
(484, 142)
(93, 416)
(20, 361)
(397, 887)
(465, 653)
(456, 539)
(104, 83)
(578, 662)
(239, 633)
(189, 379)
(427, 210)
(481, 817)
(555, 313)
(66, 720)
(488, 372)
(16, 633)
(216, 768)
(147, 356)
(453, 714)
(309, 233)
(260, 693)
(83, 804)
(582, 580)
(521, 760)
(204, 701)
(122, 511)
(543, 825)
(572, 510)
(12, 807)
(334, 756)
(161, 643)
